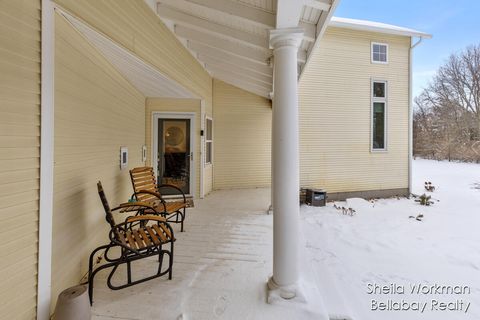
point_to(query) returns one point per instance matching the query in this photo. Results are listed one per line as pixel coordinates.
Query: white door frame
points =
(154, 143)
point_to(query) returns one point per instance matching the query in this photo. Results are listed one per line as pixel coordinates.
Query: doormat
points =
(190, 203)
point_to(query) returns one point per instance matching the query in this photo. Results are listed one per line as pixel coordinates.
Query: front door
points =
(174, 154)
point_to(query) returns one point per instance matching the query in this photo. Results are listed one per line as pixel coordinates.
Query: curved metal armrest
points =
(155, 194)
(174, 187)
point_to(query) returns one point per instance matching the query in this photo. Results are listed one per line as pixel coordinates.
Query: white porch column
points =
(285, 162)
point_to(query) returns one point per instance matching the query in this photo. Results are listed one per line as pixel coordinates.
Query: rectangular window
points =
(379, 52)
(379, 115)
(209, 141)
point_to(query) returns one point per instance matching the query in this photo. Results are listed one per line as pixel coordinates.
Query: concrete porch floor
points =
(221, 265)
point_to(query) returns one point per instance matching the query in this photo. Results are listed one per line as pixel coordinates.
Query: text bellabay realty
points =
(419, 289)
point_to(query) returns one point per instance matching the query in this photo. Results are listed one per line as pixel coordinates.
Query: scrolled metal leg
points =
(160, 261)
(92, 276)
(170, 261)
(129, 272)
(182, 219)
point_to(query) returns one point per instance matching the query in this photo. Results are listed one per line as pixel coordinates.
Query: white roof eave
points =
(372, 26)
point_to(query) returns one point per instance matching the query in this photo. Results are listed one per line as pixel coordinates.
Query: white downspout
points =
(410, 115)
(44, 283)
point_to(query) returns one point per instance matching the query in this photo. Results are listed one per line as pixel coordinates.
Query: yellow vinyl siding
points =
(242, 138)
(20, 44)
(134, 26)
(173, 106)
(96, 112)
(335, 114)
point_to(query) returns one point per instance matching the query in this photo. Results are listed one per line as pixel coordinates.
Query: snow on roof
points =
(376, 27)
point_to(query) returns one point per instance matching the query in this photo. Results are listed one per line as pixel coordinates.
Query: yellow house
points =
(188, 88)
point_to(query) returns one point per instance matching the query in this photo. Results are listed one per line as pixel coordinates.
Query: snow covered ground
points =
(224, 258)
(381, 246)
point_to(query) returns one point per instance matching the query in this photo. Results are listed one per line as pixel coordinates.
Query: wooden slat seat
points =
(153, 235)
(145, 237)
(170, 208)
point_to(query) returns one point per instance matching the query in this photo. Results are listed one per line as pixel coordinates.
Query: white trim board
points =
(154, 146)
(44, 284)
(364, 25)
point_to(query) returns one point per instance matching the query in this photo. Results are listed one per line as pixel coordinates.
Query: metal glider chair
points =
(146, 190)
(137, 237)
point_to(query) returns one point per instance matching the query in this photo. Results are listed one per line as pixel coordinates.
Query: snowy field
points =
(224, 258)
(381, 246)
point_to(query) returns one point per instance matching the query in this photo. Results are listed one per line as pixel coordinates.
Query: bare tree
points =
(458, 82)
(447, 115)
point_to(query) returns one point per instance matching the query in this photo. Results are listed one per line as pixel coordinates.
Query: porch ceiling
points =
(230, 37)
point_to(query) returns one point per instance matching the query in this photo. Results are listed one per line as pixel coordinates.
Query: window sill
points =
(378, 150)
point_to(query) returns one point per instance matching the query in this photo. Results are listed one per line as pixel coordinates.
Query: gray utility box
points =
(316, 197)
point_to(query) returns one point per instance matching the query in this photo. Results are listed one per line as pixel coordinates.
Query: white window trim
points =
(208, 164)
(385, 128)
(371, 52)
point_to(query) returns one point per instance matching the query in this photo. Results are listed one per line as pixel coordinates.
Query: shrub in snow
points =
(425, 200)
(345, 211)
(418, 217)
(429, 186)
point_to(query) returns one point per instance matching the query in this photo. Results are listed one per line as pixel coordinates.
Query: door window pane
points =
(209, 129)
(174, 154)
(209, 141)
(208, 155)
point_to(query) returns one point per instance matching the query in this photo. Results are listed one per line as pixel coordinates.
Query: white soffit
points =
(376, 27)
(148, 80)
(230, 37)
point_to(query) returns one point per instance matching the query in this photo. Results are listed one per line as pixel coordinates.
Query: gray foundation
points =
(368, 194)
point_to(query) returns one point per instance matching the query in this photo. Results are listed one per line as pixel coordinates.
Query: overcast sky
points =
(453, 24)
